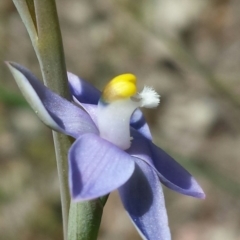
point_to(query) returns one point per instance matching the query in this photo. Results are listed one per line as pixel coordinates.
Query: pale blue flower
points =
(96, 165)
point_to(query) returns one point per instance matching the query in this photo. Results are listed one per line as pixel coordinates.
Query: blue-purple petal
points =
(97, 167)
(91, 109)
(55, 111)
(170, 172)
(139, 123)
(173, 175)
(143, 199)
(83, 91)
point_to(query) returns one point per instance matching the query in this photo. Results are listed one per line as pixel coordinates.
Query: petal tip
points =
(197, 193)
(9, 64)
(201, 195)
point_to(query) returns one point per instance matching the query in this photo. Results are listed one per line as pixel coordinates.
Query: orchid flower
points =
(113, 147)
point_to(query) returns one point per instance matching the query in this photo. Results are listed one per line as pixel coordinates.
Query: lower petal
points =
(173, 175)
(170, 172)
(97, 167)
(143, 199)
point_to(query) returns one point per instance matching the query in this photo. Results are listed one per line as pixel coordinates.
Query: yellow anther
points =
(120, 87)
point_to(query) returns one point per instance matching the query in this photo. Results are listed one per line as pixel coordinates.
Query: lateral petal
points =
(97, 167)
(139, 123)
(143, 199)
(173, 175)
(55, 111)
(170, 172)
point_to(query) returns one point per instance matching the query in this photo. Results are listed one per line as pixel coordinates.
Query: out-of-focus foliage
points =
(189, 50)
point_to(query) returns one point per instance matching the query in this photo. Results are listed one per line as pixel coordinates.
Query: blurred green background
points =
(189, 51)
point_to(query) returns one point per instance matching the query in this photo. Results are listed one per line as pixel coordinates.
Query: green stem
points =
(41, 20)
(85, 219)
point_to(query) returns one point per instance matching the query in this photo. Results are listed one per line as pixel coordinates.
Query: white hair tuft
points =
(149, 97)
